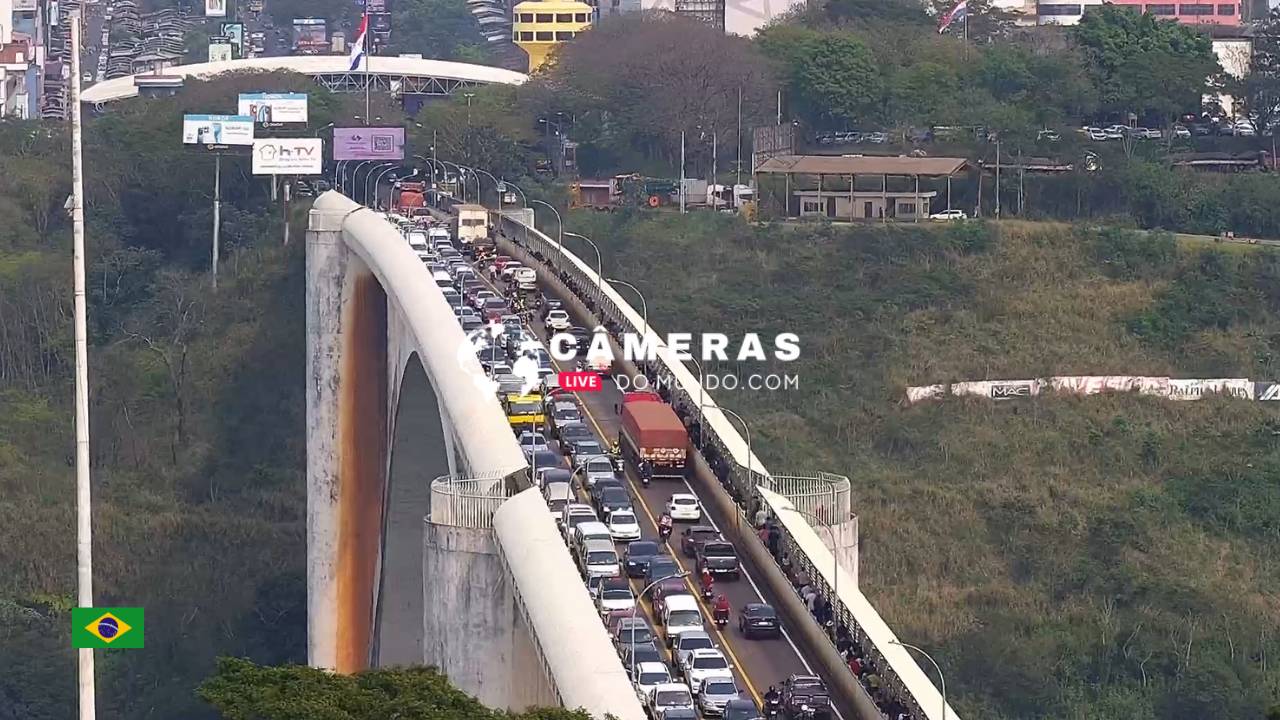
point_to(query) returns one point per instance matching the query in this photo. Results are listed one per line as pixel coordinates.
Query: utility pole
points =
(737, 162)
(84, 515)
(682, 188)
(997, 177)
(217, 212)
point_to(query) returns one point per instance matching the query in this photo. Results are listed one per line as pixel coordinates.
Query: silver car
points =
(714, 693)
(595, 468)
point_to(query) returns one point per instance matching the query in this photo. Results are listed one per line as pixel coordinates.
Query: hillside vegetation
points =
(1104, 557)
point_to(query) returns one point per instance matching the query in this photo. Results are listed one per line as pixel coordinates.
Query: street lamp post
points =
(355, 174)
(941, 679)
(835, 558)
(599, 261)
(457, 173)
(370, 176)
(560, 225)
(681, 574)
(496, 186)
(337, 173)
(644, 304)
(376, 183)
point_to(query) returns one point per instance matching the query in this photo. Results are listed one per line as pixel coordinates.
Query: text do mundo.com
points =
(597, 367)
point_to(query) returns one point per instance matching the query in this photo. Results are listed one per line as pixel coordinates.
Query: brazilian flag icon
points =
(119, 627)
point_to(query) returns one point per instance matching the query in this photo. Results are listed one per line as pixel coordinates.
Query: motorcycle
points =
(722, 619)
(664, 532)
(772, 708)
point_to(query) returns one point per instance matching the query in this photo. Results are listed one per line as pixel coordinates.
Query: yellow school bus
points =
(524, 412)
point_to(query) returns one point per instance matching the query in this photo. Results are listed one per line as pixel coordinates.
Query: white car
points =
(509, 269)
(702, 664)
(623, 526)
(947, 215)
(668, 695)
(683, 506)
(558, 320)
(649, 675)
(615, 594)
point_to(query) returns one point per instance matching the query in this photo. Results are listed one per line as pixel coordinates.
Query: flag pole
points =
(368, 78)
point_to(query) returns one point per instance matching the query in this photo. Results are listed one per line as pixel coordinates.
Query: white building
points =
(1062, 12)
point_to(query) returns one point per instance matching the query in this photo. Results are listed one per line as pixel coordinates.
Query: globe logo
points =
(108, 627)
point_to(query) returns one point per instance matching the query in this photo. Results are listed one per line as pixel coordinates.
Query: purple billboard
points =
(368, 143)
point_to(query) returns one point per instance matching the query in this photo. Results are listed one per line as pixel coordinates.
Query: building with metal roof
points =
(837, 194)
(401, 75)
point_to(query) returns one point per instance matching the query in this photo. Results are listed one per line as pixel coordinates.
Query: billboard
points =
(24, 5)
(368, 143)
(274, 107)
(376, 6)
(288, 156)
(310, 36)
(215, 8)
(220, 49)
(217, 130)
(234, 33)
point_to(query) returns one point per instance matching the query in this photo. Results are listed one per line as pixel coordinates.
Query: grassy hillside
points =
(1108, 557)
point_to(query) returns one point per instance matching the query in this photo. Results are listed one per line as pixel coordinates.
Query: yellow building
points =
(541, 25)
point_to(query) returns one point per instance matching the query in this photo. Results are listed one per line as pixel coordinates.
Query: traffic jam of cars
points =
(659, 615)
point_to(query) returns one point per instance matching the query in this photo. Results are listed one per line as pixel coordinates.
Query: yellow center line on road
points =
(697, 596)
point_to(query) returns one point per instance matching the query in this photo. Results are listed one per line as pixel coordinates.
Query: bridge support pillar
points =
(468, 612)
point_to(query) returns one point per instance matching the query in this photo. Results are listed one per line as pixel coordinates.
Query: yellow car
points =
(524, 411)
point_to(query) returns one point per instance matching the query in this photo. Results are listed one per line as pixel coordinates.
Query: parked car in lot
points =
(759, 620)
(948, 215)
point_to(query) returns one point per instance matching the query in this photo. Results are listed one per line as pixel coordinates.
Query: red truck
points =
(410, 200)
(652, 431)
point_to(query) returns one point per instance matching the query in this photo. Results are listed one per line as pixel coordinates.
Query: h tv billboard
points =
(368, 143)
(288, 156)
(274, 107)
(217, 130)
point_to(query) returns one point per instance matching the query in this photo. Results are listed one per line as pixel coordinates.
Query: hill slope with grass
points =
(1102, 557)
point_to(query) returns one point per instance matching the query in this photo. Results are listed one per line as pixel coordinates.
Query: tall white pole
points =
(682, 187)
(217, 212)
(84, 517)
(737, 155)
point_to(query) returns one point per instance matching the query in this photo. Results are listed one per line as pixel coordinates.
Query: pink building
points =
(1200, 12)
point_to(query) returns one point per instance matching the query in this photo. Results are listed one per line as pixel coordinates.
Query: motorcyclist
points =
(772, 696)
(664, 526)
(722, 608)
(708, 583)
(646, 471)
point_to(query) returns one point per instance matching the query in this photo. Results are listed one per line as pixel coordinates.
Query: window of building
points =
(906, 209)
(1059, 9)
(526, 36)
(1162, 9)
(526, 17)
(564, 17)
(1196, 9)
(580, 17)
(543, 36)
(1226, 9)
(544, 17)
(564, 36)
(811, 206)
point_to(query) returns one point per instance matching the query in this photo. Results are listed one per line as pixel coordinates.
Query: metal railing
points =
(823, 495)
(467, 502)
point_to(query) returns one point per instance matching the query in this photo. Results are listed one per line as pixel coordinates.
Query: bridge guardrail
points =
(467, 502)
(729, 457)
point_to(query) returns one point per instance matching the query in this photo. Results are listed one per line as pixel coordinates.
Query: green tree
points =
(982, 24)
(1141, 64)
(241, 690)
(440, 29)
(1259, 89)
(831, 74)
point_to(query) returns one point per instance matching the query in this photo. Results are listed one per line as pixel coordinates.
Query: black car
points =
(637, 555)
(642, 652)
(547, 458)
(547, 305)
(614, 499)
(741, 708)
(694, 536)
(597, 490)
(799, 691)
(660, 566)
(719, 557)
(759, 620)
(679, 713)
(582, 337)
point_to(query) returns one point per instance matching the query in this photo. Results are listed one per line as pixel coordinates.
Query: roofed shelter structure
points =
(875, 198)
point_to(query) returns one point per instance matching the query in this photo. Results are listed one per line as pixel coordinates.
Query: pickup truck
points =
(719, 557)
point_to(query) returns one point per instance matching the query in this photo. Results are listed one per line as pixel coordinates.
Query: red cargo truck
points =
(652, 431)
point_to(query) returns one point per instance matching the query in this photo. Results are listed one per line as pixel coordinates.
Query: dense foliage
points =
(1102, 557)
(196, 414)
(243, 691)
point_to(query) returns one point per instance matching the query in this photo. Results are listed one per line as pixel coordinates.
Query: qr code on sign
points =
(383, 143)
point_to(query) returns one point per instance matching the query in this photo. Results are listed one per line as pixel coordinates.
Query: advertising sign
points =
(771, 141)
(234, 33)
(220, 49)
(274, 107)
(288, 156)
(1266, 391)
(310, 36)
(1197, 389)
(368, 143)
(376, 6)
(1010, 389)
(217, 130)
(215, 8)
(24, 5)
